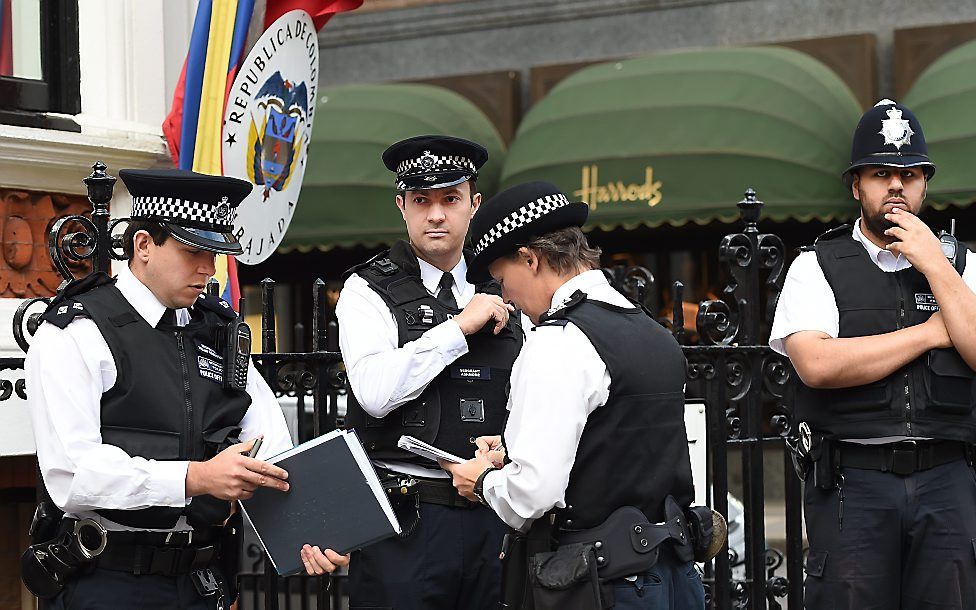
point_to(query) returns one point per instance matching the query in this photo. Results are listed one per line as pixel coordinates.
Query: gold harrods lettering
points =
(592, 192)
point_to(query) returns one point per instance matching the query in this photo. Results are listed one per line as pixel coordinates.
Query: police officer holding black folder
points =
(879, 321)
(140, 394)
(593, 476)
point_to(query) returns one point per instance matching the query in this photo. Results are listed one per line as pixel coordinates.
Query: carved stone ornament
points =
(26, 217)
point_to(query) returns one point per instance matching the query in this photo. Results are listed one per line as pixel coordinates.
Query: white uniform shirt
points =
(67, 371)
(384, 376)
(557, 381)
(807, 301)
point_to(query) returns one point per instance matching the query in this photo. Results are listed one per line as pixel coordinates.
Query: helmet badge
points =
(895, 129)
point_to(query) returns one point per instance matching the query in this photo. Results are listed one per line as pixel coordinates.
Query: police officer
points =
(137, 429)
(428, 354)
(879, 321)
(596, 420)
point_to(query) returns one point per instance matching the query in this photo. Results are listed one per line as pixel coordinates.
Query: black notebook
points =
(335, 501)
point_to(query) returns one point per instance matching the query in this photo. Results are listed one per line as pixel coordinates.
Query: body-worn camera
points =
(46, 566)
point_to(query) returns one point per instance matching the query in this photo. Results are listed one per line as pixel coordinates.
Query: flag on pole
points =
(193, 127)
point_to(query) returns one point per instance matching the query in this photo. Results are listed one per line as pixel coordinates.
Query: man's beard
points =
(878, 224)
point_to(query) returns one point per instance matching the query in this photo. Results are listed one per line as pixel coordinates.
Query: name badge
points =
(209, 364)
(471, 372)
(926, 302)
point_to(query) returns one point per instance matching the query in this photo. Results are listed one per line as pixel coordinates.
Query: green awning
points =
(347, 196)
(944, 100)
(678, 137)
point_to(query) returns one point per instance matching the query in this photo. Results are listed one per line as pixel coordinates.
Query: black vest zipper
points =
(908, 391)
(188, 412)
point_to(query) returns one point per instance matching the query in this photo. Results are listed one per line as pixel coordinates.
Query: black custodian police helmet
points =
(513, 217)
(196, 209)
(889, 134)
(434, 162)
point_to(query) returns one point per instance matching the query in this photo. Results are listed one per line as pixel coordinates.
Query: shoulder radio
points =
(237, 351)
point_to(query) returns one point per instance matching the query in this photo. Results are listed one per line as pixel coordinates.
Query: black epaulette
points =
(64, 312)
(380, 263)
(217, 305)
(552, 322)
(557, 317)
(834, 233)
(63, 308)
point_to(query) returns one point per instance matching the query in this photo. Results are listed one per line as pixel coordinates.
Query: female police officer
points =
(593, 431)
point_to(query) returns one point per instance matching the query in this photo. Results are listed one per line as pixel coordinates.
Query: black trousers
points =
(450, 562)
(110, 590)
(901, 542)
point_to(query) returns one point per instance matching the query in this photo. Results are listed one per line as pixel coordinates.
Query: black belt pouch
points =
(565, 579)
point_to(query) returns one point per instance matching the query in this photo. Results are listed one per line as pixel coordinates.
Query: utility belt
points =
(429, 491)
(820, 460)
(80, 545)
(549, 568)
(162, 553)
(404, 489)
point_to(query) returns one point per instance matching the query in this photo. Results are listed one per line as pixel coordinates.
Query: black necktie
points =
(444, 293)
(168, 319)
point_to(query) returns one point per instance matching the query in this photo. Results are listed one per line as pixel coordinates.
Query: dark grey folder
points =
(335, 501)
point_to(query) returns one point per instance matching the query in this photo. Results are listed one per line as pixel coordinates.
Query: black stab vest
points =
(634, 448)
(168, 401)
(932, 396)
(467, 399)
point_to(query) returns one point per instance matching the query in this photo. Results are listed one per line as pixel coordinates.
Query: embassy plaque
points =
(267, 128)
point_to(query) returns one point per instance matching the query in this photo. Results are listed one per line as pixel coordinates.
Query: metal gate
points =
(740, 380)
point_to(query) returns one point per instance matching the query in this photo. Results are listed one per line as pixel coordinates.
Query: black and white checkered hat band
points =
(519, 218)
(217, 215)
(434, 163)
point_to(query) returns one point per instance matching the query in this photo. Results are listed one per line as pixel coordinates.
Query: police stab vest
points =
(634, 448)
(168, 401)
(931, 396)
(464, 401)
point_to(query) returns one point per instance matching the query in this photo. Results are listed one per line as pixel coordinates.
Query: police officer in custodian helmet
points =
(879, 321)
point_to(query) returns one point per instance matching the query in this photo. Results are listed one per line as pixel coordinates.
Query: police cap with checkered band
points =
(513, 217)
(888, 134)
(434, 162)
(197, 210)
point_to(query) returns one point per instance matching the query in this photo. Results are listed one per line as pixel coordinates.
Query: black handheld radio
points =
(950, 245)
(237, 351)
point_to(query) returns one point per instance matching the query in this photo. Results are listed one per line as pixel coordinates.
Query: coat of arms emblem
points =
(272, 144)
(895, 129)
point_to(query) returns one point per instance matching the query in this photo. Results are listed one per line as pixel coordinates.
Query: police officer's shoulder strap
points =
(828, 235)
(217, 305)
(390, 280)
(558, 316)
(65, 307)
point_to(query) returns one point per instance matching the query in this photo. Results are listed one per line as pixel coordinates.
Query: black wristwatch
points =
(479, 485)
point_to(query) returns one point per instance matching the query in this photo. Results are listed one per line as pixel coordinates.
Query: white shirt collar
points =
(431, 276)
(884, 259)
(142, 299)
(584, 282)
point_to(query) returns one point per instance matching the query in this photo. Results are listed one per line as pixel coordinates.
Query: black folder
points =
(335, 501)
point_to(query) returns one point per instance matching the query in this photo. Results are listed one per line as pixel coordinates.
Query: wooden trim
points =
(917, 48)
(497, 94)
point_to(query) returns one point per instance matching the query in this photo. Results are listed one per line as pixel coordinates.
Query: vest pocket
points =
(151, 444)
(948, 382)
(871, 397)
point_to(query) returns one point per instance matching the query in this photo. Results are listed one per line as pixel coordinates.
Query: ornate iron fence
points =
(740, 380)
